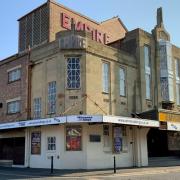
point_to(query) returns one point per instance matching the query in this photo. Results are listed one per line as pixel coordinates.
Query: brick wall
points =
(14, 89)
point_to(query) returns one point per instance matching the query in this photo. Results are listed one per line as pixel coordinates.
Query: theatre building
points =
(90, 91)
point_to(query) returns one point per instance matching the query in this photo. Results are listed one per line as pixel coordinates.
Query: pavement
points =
(155, 173)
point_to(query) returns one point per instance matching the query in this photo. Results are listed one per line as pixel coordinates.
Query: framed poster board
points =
(117, 139)
(36, 142)
(73, 138)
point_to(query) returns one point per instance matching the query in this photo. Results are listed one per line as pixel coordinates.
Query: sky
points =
(133, 13)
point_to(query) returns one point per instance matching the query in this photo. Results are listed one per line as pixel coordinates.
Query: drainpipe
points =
(29, 73)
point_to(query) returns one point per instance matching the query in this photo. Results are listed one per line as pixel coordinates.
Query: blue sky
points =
(133, 13)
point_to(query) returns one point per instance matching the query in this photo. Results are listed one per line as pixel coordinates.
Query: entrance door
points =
(157, 143)
(13, 149)
(19, 151)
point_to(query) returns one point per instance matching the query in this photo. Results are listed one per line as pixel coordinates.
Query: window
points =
(51, 143)
(13, 107)
(106, 134)
(74, 138)
(37, 108)
(52, 97)
(73, 73)
(14, 75)
(147, 71)
(105, 74)
(177, 63)
(122, 82)
(166, 70)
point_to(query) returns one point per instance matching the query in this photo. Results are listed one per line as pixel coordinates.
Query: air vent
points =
(73, 97)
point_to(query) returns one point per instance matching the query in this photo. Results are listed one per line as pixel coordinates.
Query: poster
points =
(117, 137)
(73, 138)
(36, 143)
(173, 141)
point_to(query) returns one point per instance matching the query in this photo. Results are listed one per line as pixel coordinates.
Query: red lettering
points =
(79, 26)
(94, 35)
(87, 28)
(106, 39)
(99, 37)
(66, 21)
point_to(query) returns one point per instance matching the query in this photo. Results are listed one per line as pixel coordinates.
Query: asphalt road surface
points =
(164, 173)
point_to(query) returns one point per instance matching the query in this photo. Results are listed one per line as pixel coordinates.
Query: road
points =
(164, 173)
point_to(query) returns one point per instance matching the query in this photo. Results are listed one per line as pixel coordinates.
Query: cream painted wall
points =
(93, 154)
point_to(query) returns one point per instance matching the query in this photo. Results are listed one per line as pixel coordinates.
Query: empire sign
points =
(80, 26)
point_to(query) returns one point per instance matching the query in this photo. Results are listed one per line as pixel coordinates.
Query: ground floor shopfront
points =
(164, 142)
(80, 142)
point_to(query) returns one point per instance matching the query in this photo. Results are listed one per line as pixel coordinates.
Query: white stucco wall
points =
(93, 154)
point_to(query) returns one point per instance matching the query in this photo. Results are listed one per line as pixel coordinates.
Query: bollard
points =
(52, 165)
(114, 164)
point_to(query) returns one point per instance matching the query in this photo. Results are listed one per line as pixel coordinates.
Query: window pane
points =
(105, 76)
(14, 75)
(171, 90)
(37, 108)
(13, 107)
(73, 73)
(147, 71)
(148, 86)
(51, 143)
(122, 82)
(52, 97)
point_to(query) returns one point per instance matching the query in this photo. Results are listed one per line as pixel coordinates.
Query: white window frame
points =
(52, 97)
(147, 64)
(37, 108)
(14, 75)
(73, 73)
(51, 143)
(13, 107)
(122, 81)
(105, 76)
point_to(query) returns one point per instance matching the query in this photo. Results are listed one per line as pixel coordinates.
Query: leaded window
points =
(73, 73)
(122, 81)
(147, 71)
(105, 77)
(37, 108)
(52, 97)
(51, 143)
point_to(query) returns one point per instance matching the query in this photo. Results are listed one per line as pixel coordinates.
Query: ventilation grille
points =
(33, 28)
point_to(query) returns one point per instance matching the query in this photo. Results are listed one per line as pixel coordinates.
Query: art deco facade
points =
(85, 90)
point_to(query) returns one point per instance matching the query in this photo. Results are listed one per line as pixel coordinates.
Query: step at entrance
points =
(6, 163)
(164, 161)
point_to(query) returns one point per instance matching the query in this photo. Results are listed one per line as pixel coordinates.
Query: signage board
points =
(97, 35)
(173, 126)
(31, 123)
(130, 121)
(72, 41)
(163, 116)
(84, 118)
